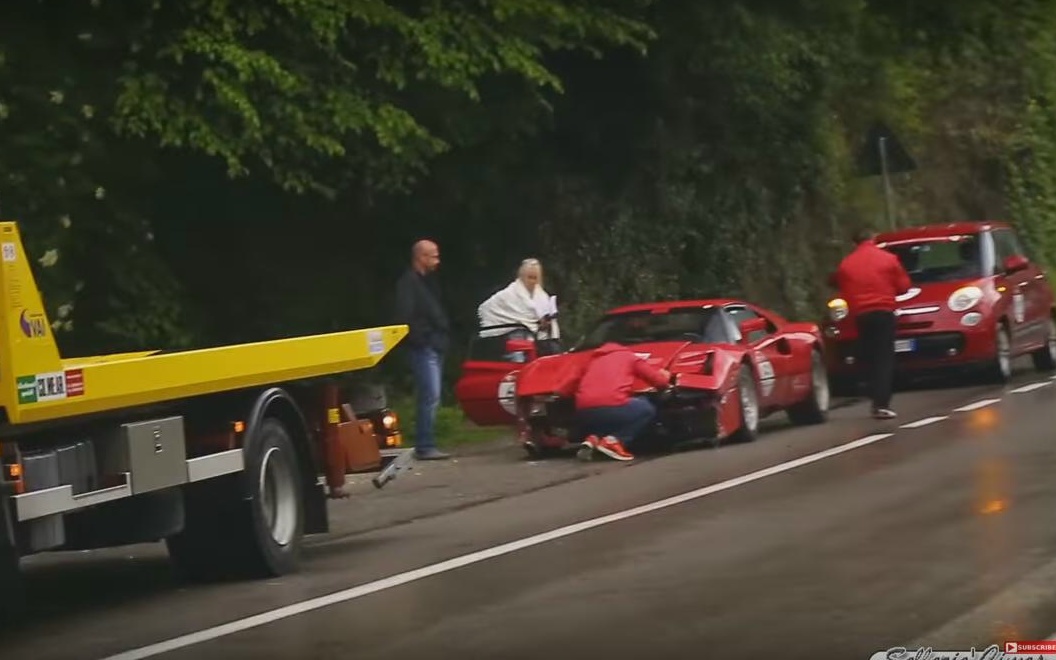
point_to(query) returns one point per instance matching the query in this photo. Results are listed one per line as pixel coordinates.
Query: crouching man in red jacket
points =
(606, 410)
(869, 279)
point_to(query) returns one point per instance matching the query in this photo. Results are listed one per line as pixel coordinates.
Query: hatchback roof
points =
(938, 231)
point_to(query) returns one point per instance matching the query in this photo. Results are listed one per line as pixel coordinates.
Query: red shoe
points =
(587, 447)
(614, 449)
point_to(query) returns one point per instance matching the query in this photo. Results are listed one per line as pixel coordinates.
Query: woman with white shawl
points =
(526, 302)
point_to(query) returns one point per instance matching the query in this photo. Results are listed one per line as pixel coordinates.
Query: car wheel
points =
(535, 452)
(749, 397)
(1045, 357)
(815, 408)
(1000, 370)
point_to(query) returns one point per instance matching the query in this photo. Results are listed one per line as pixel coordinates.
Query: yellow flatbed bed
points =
(37, 384)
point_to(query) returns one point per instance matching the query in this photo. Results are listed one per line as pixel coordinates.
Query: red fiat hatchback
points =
(977, 300)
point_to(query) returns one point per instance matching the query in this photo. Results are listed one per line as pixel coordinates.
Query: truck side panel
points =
(36, 384)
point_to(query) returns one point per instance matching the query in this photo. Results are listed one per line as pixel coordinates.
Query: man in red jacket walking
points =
(869, 279)
(606, 409)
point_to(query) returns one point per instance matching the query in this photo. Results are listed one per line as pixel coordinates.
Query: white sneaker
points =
(884, 413)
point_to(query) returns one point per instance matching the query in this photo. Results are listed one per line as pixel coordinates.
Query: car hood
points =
(557, 374)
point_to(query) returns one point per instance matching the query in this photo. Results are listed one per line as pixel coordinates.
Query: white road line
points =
(1031, 387)
(478, 556)
(977, 405)
(923, 422)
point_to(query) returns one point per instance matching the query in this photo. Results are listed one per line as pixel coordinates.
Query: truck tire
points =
(12, 589)
(13, 596)
(251, 524)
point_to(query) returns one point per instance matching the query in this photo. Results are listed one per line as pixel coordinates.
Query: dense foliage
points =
(210, 171)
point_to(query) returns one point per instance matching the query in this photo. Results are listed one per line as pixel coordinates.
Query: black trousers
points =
(876, 354)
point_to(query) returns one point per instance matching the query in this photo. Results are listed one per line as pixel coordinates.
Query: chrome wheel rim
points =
(278, 496)
(1004, 352)
(749, 405)
(1051, 344)
(821, 384)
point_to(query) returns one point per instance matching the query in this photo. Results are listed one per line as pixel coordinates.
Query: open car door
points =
(485, 389)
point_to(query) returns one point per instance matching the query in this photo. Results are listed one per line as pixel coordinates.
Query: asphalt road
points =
(833, 541)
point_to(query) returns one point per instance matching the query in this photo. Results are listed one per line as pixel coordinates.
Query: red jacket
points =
(869, 279)
(608, 379)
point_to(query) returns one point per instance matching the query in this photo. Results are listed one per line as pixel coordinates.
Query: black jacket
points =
(418, 305)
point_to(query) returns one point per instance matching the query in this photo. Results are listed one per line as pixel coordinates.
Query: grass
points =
(452, 428)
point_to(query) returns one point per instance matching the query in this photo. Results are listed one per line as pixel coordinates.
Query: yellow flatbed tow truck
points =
(228, 454)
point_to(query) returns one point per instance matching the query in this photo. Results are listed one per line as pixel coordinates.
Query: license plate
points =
(905, 345)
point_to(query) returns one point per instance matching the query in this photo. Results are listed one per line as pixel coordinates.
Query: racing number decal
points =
(1019, 306)
(507, 393)
(766, 374)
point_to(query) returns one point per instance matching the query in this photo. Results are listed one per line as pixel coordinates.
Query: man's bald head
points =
(425, 256)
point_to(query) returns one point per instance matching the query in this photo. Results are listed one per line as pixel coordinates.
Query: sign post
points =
(883, 155)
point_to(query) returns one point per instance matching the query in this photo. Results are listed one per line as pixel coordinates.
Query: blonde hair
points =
(528, 264)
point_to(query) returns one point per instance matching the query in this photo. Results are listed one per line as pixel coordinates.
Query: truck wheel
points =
(252, 524)
(10, 586)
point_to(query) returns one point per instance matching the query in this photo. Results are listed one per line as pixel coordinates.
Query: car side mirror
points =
(525, 346)
(1016, 263)
(750, 327)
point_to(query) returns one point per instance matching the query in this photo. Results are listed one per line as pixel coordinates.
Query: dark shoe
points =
(431, 455)
(587, 447)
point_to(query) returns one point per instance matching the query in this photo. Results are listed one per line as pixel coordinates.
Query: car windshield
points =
(944, 260)
(699, 324)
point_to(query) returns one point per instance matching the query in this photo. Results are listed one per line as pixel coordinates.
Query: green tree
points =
(311, 95)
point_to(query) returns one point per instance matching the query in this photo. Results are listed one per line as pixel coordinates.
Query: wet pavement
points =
(831, 541)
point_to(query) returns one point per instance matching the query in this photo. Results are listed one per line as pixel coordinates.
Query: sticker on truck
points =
(51, 386)
(375, 342)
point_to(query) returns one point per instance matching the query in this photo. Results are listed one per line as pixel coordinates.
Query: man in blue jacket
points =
(418, 305)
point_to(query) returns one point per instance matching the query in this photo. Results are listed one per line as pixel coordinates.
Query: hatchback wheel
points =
(1001, 364)
(1045, 357)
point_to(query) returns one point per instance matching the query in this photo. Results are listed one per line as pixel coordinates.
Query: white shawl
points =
(515, 304)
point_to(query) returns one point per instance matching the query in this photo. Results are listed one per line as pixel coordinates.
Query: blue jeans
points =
(624, 422)
(425, 365)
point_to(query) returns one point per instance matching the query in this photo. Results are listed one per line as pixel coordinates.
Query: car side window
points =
(721, 328)
(740, 314)
(1019, 247)
(1005, 245)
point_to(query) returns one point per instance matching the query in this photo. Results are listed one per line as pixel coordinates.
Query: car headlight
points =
(964, 298)
(838, 309)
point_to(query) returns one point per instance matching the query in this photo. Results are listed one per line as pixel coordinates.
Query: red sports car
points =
(735, 363)
(977, 301)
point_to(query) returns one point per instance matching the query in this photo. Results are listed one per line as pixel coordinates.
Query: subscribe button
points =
(1046, 647)
(1019, 650)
